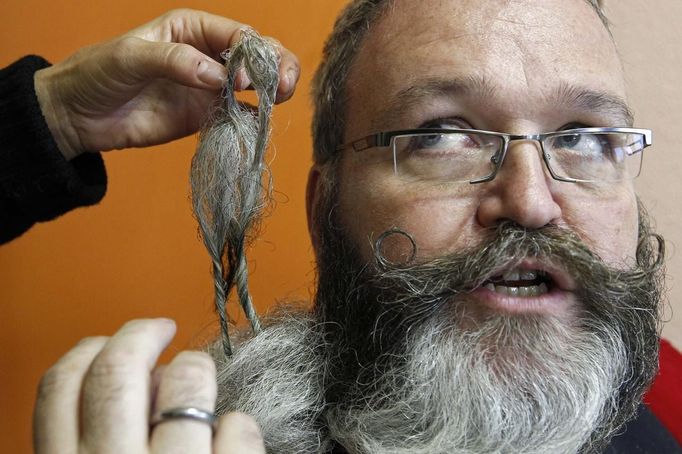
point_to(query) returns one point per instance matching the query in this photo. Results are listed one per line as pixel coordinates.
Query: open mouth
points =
(521, 282)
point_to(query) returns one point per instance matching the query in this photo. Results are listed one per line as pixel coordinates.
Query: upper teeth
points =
(517, 274)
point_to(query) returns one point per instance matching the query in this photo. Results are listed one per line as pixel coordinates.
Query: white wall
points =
(649, 36)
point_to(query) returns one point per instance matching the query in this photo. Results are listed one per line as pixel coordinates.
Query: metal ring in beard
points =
(645, 244)
(381, 259)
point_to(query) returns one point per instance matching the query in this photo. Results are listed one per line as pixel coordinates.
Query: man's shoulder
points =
(644, 435)
(658, 426)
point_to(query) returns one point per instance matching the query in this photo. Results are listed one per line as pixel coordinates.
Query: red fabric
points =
(665, 396)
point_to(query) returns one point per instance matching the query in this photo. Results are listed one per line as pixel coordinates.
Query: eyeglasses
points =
(469, 155)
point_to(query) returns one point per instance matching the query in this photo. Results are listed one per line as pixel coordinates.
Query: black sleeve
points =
(36, 182)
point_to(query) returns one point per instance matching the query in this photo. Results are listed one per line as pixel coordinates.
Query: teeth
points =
(528, 275)
(517, 274)
(511, 275)
(521, 292)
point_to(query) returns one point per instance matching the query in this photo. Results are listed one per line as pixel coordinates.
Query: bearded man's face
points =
(516, 315)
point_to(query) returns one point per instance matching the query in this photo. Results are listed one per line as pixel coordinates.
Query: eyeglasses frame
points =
(383, 139)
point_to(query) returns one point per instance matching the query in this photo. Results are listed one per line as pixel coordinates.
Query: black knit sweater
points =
(36, 182)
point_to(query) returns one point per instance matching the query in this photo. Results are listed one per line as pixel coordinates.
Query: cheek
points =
(442, 221)
(437, 221)
(608, 223)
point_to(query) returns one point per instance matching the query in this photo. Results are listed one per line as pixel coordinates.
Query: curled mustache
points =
(437, 280)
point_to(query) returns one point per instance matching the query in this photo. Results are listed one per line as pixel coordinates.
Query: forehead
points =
(511, 60)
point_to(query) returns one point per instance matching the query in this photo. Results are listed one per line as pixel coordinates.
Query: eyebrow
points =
(581, 98)
(429, 88)
(567, 96)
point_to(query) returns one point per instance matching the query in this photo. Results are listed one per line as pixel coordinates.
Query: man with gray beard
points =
(462, 305)
(487, 280)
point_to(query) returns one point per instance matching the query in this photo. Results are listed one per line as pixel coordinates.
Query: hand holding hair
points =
(152, 85)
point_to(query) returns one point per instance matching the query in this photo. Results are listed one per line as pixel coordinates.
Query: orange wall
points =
(137, 254)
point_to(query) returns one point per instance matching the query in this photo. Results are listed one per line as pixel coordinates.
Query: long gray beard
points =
(278, 378)
(510, 386)
(387, 362)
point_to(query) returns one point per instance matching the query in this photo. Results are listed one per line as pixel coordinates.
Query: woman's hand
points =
(100, 398)
(151, 85)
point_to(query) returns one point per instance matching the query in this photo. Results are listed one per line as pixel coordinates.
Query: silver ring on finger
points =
(192, 413)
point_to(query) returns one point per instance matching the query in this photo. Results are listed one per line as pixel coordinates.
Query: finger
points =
(211, 34)
(289, 71)
(207, 32)
(115, 398)
(238, 433)
(137, 60)
(157, 373)
(188, 381)
(55, 418)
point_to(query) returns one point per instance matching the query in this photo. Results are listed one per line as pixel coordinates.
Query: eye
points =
(428, 141)
(441, 141)
(455, 154)
(583, 143)
(444, 142)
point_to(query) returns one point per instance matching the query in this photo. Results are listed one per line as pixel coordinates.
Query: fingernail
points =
(210, 75)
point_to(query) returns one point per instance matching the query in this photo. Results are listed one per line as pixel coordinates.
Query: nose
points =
(521, 191)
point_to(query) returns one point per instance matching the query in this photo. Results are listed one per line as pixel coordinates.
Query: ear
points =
(313, 192)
